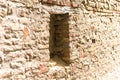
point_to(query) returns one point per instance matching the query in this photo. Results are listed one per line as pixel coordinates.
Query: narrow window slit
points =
(59, 38)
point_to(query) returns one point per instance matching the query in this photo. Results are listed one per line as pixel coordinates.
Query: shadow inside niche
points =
(59, 39)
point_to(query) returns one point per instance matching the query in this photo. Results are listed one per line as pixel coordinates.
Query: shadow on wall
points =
(59, 37)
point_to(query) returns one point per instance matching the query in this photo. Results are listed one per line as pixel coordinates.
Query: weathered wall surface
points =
(24, 39)
(98, 39)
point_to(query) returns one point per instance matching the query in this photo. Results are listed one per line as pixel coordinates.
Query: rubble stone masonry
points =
(87, 39)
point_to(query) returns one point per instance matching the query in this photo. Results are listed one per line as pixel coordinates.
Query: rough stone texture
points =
(94, 37)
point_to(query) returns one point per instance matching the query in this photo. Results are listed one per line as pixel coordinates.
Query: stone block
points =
(5, 73)
(24, 21)
(36, 6)
(15, 65)
(92, 4)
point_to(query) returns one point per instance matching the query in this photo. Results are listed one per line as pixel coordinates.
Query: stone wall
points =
(24, 39)
(98, 40)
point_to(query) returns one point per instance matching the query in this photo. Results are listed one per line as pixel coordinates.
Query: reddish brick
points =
(94, 11)
(68, 3)
(49, 1)
(92, 28)
(43, 68)
(75, 5)
(83, 55)
(26, 32)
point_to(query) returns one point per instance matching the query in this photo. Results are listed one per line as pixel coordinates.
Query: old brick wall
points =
(24, 39)
(98, 40)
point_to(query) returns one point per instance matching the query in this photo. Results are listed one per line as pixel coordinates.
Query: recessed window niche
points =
(59, 37)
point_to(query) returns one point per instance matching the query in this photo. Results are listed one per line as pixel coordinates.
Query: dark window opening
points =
(59, 38)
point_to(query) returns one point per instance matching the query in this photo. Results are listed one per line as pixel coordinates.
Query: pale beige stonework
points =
(94, 40)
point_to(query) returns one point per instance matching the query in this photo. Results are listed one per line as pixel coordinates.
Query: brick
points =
(68, 4)
(49, 1)
(75, 5)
